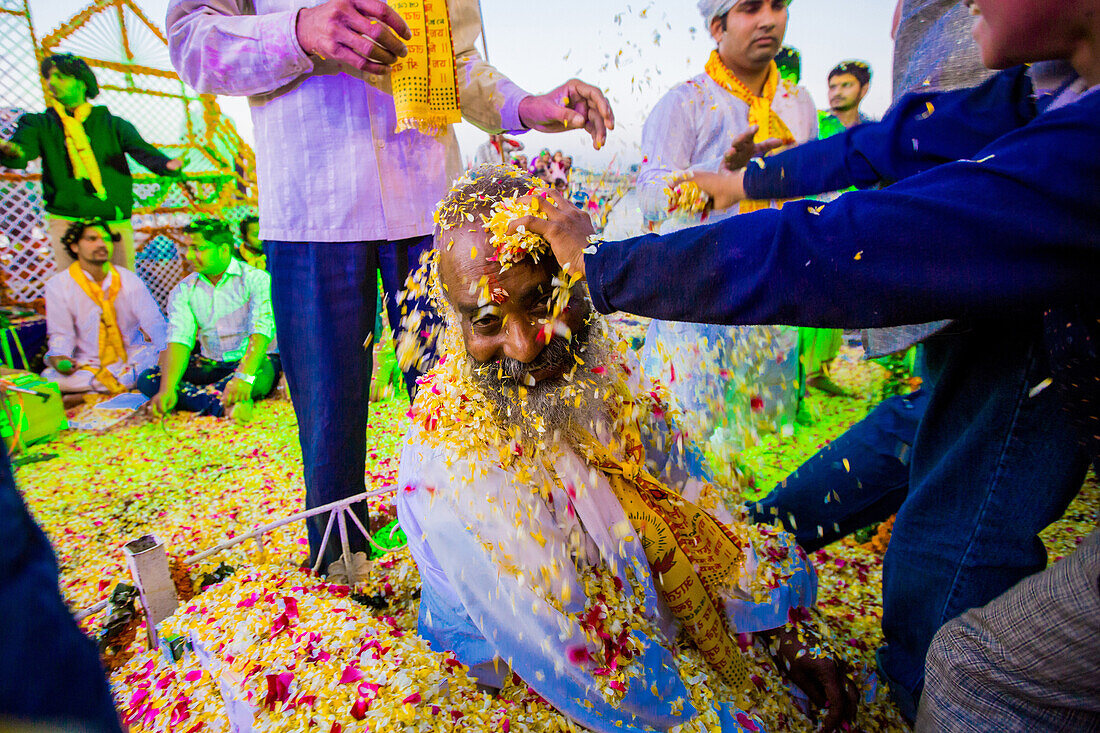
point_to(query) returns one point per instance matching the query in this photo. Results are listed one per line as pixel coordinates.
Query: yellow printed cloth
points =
(112, 348)
(692, 555)
(760, 110)
(425, 92)
(85, 166)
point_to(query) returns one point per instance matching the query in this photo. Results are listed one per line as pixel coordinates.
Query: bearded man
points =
(542, 492)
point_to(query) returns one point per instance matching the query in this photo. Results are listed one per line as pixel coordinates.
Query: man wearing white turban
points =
(732, 381)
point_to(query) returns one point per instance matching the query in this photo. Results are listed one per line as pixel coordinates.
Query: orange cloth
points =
(692, 555)
(425, 89)
(79, 147)
(112, 348)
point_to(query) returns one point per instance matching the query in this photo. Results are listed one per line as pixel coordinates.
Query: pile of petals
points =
(196, 481)
(192, 481)
(291, 652)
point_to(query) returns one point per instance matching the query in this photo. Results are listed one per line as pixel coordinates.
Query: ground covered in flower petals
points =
(297, 651)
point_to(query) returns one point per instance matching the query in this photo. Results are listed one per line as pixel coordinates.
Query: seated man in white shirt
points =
(225, 305)
(104, 326)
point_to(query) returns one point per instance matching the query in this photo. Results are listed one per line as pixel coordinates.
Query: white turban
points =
(711, 9)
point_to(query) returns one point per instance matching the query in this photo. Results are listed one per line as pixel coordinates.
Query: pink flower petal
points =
(350, 674)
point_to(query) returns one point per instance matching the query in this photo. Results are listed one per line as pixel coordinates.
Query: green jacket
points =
(41, 135)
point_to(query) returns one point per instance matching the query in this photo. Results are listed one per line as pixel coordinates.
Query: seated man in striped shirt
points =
(225, 305)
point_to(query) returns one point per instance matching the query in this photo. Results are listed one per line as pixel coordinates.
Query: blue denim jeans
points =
(49, 671)
(829, 498)
(324, 297)
(991, 466)
(204, 381)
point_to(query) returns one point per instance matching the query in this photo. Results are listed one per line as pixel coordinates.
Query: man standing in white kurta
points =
(746, 376)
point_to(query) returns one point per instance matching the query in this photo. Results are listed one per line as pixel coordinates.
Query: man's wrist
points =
(296, 30)
(740, 184)
(523, 102)
(248, 379)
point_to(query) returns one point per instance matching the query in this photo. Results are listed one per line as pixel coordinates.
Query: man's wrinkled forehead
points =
(464, 258)
(468, 271)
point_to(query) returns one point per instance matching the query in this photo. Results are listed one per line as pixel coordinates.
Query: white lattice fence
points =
(160, 267)
(18, 64)
(25, 253)
(24, 248)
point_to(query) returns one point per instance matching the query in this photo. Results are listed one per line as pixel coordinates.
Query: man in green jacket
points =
(83, 149)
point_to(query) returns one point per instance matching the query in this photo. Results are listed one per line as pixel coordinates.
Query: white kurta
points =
(72, 324)
(691, 128)
(458, 513)
(746, 375)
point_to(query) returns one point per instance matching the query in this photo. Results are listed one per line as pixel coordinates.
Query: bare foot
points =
(242, 412)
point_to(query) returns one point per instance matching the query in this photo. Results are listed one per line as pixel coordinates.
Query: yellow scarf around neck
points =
(85, 166)
(112, 348)
(425, 91)
(760, 110)
(692, 555)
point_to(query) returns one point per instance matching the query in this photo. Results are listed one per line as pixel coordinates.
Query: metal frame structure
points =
(129, 54)
(338, 512)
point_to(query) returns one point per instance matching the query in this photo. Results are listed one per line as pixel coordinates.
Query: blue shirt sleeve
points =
(921, 131)
(1016, 229)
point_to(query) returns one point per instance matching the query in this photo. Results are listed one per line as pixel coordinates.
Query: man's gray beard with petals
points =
(549, 410)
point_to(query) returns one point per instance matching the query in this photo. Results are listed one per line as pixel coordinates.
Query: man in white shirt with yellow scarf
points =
(84, 149)
(104, 326)
(729, 382)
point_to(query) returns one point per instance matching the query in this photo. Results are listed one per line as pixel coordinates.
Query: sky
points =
(634, 51)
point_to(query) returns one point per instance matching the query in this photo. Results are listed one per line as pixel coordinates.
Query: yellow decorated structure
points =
(129, 55)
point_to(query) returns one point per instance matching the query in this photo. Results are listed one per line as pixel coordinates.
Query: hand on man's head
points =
(572, 106)
(565, 227)
(365, 34)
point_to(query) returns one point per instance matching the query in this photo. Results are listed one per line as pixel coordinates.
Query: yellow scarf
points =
(112, 349)
(760, 110)
(425, 92)
(692, 555)
(81, 156)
